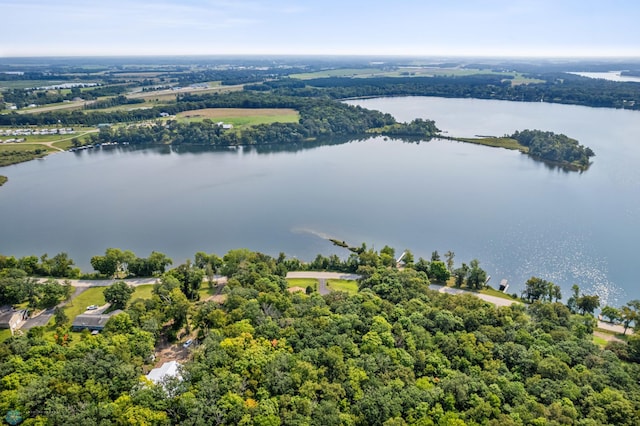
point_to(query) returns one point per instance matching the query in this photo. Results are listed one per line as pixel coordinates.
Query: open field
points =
(55, 107)
(349, 286)
(342, 72)
(242, 116)
(170, 94)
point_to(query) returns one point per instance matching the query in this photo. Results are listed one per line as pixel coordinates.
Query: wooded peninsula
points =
(146, 105)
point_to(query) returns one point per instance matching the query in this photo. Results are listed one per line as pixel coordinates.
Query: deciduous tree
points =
(118, 294)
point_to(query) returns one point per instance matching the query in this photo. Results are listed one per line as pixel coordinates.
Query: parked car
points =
(187, 343)
(92, 307)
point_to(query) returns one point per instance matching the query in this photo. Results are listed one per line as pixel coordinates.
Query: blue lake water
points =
(517, 216)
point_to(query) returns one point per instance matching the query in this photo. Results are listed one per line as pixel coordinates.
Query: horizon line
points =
(342, 55)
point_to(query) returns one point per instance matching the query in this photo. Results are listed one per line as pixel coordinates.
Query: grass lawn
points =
(497, 293)
(302, 282)
(350, 286)
(142, 292)
(65, 144)
(489, 291)
(600, 341)
(24, 147)
(242, 117)
(91, 296)
(5, 333)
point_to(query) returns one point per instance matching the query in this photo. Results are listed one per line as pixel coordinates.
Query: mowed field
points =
(242, 116)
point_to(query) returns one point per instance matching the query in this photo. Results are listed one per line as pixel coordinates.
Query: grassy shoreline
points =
(510, 143)
(496, 142)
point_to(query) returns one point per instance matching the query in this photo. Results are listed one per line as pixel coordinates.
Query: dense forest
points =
(394, 353)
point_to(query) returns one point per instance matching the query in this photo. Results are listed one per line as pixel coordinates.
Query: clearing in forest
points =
(242, 116)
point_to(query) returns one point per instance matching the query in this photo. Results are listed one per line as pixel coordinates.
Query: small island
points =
(550, 147)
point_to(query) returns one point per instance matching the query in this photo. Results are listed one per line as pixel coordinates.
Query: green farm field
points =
(242, 117)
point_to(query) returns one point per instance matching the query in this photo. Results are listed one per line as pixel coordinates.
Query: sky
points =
(548, 28)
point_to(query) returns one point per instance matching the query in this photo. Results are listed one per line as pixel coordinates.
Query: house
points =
(168, 369)
(92, 322)
(11, 318)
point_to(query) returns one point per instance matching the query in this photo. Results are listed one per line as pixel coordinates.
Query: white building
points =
(168, 369)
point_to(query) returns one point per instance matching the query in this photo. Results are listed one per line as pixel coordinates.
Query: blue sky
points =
(373, 27)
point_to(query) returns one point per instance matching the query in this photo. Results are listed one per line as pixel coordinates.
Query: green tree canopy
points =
(118, 294)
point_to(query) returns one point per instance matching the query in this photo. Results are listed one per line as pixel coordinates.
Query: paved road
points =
(498, 301)
(38, 321)
(322, 278)
(323, 275)
(84, 284)
(322, 286)
(613, 327)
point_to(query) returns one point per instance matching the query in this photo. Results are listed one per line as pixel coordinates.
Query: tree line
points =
(556, 87)
(24, 97)
(318, 119)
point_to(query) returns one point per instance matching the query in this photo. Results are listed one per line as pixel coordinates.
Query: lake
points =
(519, 217)
(609, 75)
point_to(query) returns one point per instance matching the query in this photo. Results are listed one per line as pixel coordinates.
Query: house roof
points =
(168, 369)
(93, 320)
